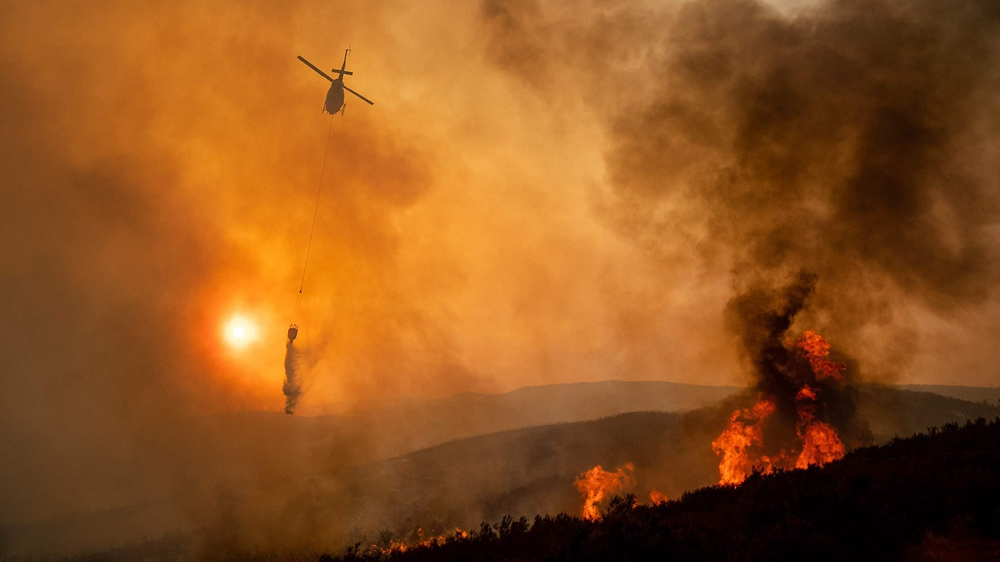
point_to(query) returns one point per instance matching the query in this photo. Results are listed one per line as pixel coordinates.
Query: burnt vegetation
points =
(919, 498)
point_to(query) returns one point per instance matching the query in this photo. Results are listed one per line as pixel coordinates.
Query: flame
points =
(819, 441)
(806, 393)
(596, 483)
(745, 430)
(816, 350)
(820, 445)
(656, 497)
(400, 546)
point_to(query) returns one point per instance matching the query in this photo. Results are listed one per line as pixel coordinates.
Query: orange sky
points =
(543, 192)
(166, 160)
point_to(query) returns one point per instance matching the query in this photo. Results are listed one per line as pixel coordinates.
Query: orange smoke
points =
(656, 497)
(745, 430)
(819, 441)
(597, 483)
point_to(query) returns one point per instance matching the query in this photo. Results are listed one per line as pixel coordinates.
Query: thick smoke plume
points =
(782, 365)
(851, 140)
(854, 139)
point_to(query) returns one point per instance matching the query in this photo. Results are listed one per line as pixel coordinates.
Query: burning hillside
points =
(936, 482)
(805, 401)
(800, 390)
(741, 444)
(597, 483)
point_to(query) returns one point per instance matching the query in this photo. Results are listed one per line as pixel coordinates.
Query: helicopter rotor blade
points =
(370, 102)
(310, 65)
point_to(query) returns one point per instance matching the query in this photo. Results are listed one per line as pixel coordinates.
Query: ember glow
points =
(741, 444)
(657, 497)
(597, 483)
(417, 540)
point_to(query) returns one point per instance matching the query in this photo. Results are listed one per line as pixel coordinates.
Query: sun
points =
(239, 331)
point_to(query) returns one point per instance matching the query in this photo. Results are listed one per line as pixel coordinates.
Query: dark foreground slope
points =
(929, 497)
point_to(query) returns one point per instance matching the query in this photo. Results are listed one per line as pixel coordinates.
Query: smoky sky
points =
(144, 170)
(544, 192)
(843, 139)
(856, 140)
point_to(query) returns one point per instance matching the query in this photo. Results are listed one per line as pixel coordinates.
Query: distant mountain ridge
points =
(455, 460)
(210, 446)
(990, 394)
(191, 458)
(578, 399)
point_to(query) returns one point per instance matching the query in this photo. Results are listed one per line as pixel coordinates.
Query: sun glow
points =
(239, 332)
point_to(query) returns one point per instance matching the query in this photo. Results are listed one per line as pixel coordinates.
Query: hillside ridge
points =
(908, 499)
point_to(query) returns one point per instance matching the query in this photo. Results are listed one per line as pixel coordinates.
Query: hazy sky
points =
(543, 192)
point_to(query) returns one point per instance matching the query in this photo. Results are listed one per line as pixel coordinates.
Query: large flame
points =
(816, 350)
(597, 483)
(820, 443)
(745, 433)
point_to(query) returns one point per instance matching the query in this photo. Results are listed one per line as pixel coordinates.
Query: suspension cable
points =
(312, 229)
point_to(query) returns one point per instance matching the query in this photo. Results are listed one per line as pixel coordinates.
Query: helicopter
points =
(335, 95)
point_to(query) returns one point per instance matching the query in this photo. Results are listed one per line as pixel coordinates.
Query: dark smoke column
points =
(291, 388)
